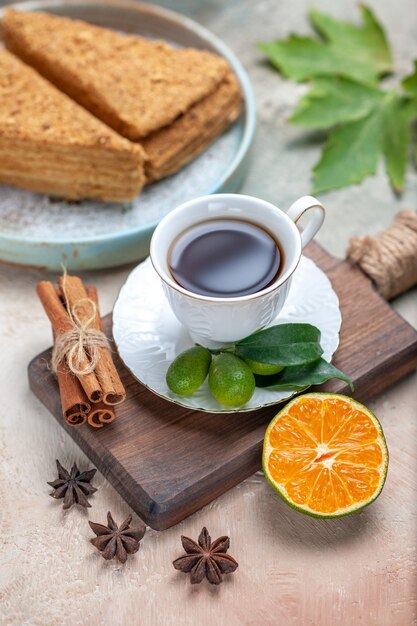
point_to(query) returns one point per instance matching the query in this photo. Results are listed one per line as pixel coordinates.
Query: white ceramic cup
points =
(217, 321)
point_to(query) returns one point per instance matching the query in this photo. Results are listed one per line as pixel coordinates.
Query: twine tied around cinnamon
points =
(79, 347)
(390, 257)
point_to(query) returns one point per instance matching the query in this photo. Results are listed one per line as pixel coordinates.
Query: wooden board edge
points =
(162, 514)
(169, 512)
(101, 458)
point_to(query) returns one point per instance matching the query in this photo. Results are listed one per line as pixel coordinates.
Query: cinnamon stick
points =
(107, 375)
(101, 414)
(61, 324)
(54, 308)
(114, 391)
(75, 405)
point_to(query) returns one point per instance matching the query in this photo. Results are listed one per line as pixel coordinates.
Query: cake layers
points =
(133, 84)
(50, 144)
(173, 101)
(170, 148)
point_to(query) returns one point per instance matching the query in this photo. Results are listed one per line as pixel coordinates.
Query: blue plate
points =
(36, 230)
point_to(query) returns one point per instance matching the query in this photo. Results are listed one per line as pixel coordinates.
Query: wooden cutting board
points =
(167, 461)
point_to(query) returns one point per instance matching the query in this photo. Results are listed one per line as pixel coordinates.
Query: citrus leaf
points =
(365, 44)
(283, 344)
(335, 100)
(303, 376)
(303, 58)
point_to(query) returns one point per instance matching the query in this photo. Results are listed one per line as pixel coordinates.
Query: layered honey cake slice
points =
(171, 147)
(50, 144)
(173, 101)
(136, 86)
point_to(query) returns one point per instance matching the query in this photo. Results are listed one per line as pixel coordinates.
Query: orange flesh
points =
(327, 454)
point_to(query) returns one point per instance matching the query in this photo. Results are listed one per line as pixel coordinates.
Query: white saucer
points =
(148, 336)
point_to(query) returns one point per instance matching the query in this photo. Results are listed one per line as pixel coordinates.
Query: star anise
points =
(74, 487)
(206, 559)
(114, 541)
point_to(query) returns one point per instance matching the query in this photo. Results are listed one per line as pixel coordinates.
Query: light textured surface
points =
(293, 571)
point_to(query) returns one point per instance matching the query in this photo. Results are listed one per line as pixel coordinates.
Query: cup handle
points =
(315, 219)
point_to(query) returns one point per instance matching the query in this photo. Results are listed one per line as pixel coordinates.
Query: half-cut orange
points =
(326, 455)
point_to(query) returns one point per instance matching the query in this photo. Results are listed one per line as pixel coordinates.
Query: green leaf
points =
(333, 101)
(396, 139)
(360, 52)
(354, 149)
(410, 85)
(303, 58)
(351, 153)
(283, 344)
(410, 82)
(303, 376)
(366, 123)
(364, 44)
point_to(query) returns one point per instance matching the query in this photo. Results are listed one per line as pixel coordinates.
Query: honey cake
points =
(170, 148)
(135, 85)
(50, 144)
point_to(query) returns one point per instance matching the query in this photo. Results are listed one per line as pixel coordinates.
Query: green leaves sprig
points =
(284, 344)
(289, 357)
(296, 347)
(344, 65)
(298, 378)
